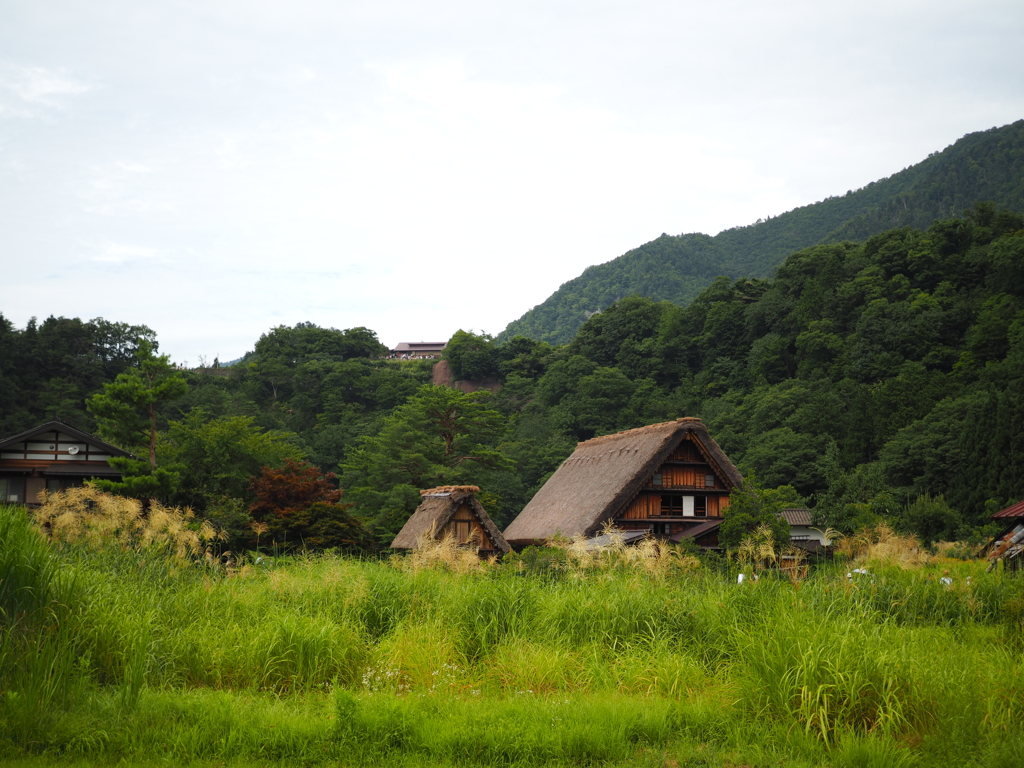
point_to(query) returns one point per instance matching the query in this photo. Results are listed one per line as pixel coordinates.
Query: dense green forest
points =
(988, 165)
(880, 380)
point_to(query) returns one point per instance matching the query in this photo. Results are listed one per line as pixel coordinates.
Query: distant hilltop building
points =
(408, 350)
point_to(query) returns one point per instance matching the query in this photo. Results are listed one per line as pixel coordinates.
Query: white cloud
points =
(23, 89)
(119, 253)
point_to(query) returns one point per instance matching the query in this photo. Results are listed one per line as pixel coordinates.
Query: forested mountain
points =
(48, 369)
(988, 165)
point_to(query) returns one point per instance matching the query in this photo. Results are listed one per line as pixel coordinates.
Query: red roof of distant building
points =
(1014, 510)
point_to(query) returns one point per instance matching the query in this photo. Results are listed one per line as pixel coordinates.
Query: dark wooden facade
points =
(466, 529)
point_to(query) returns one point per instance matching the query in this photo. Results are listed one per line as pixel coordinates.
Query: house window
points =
(709, 481)
(672, 505)
(12, 490)
(656, 480)
(660, 529)
(700, 506)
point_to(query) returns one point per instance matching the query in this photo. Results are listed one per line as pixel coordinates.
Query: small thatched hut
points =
(452, 510)
(667, 479)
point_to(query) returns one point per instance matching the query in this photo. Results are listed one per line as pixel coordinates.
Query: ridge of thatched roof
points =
(436, 510)
(604, 474)
(445, 489)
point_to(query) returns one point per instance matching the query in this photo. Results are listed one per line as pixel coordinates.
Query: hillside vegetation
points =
(988, 165)
(872, 381)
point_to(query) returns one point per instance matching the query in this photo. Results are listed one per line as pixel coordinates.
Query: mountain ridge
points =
(985, 165)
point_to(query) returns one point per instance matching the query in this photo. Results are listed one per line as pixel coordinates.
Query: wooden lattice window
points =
(672, 504)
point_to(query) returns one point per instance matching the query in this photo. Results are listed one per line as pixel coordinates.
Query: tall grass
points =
(39, 669)
(145, 653)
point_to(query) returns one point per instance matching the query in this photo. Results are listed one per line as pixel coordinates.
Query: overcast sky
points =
(212, 169)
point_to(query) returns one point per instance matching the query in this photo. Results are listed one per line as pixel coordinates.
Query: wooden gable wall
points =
(466, 528)
(690, 491)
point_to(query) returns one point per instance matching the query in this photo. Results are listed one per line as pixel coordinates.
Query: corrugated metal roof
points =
(628, 537)
(1014, 510)
(420, 346)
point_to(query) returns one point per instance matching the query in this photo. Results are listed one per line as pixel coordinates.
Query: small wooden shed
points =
(452, 510)
(1008, 546)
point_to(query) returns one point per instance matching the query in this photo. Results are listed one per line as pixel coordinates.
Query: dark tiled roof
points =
(797, 516)
(697, 530)
(59, 426)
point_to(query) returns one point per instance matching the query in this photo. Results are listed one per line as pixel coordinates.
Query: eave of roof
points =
(697, 530)
(797, 516)
(605, 539)
(60, 426)
(1014, 510)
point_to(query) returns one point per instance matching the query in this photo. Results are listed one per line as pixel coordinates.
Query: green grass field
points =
(121, 653)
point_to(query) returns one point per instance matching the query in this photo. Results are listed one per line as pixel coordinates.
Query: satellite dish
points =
(73, 450)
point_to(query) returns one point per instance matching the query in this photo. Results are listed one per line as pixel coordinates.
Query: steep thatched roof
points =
(438, 507)
(604, 474)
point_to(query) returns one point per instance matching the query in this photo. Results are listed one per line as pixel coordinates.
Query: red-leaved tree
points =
(301, 507)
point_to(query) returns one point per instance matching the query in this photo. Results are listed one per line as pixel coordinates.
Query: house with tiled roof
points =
(51, 457)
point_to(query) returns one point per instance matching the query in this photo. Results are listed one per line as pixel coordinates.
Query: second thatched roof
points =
(603, 476)
(438, 507)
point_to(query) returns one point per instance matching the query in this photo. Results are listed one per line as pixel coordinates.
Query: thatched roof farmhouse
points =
(669, 479)
(452, 510)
